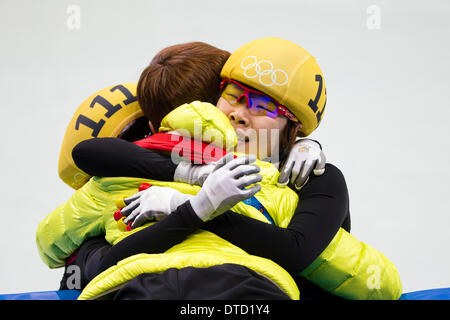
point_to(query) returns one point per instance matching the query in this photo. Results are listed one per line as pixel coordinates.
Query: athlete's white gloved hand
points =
(305, 156)
(225, 186)
(192, 173)
(152, 203)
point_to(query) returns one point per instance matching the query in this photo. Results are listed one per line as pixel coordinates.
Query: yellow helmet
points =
(286, 72)
(104, 114)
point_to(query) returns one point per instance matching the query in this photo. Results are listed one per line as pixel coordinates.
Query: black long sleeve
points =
(113, 157)
(322, 211)
(323, 208)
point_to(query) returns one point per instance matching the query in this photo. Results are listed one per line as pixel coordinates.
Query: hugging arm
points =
(322, 211)
(323, 208)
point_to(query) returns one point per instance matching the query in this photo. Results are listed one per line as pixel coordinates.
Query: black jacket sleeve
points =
(323, 208)
(322, 211)
(113, 157)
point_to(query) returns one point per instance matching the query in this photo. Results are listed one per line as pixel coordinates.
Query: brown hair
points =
(287, 140)
(180, 74)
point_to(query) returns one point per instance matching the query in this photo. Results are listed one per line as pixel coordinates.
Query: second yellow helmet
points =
(104, 114)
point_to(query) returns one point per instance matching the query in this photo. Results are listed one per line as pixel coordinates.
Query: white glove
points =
(226, 186)
(192, 173)
(305, 156)
(152, 203)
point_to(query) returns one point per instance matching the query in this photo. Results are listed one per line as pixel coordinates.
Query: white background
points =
(386, 124)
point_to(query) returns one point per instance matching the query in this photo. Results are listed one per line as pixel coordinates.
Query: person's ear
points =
(152, 129)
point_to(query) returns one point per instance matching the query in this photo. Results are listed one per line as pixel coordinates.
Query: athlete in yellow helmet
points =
(295, 85)
(284, 71)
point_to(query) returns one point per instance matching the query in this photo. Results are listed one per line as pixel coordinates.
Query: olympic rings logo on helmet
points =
(250, 63)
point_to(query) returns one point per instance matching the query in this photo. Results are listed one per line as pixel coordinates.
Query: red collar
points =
(196, 151)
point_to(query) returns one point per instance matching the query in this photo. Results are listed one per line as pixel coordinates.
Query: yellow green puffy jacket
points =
(347, 267)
